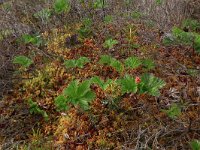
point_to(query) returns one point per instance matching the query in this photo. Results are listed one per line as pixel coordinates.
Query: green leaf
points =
(105, 59)
(77, 94)
(193, 72)
(128, 84)
(70, 64)
(83, 88)
(97, 81)
(101, 83)
(82, 61)
(86, 99)
(72, 89)
(22, 60)
(150, 84)
(148, 64)
(61, 6)
(108, 60)
(197, 43)
(117, 65)
(191, 24)
(174, 111)
(108, 19)
(33, 39)
(76, 63)
(99, 4)
(110, 43)
(195, 145)
(60, 103)
(183, 37)
(132, 62)
(159, 2)
(43, 14)
(34, 109)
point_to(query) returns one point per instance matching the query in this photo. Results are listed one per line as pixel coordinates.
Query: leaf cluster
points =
(110, 61)
(33, 39)
(76, 94)
(76, 63)
(109, 43)
(103, 85)
(150, 85)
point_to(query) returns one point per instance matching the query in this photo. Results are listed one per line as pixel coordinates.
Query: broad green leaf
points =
(151, 85)
(133, 62)
(33, 39)
(82, 61)
(61, 103)
(110, 43)
(76, 63)
(183, 37)
(98, 81)
(22, 60)
(101, 83)
(128, 84)
(148, 64)
(105, 59)
(89, 96)
(72, 89)
(98, 4)
(77, 94)
(70, 63)
(117, 65)
(195, 144)
(83, 88)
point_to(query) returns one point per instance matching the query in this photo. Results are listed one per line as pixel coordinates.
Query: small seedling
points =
(108, 19)
(43, 15)
(61, 6)
(174, 111)
(136, 15)
(99, 4)
(85, 29)
(159, 2)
